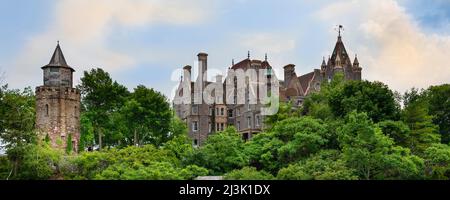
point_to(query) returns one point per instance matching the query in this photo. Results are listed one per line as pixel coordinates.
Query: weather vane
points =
(339, 29)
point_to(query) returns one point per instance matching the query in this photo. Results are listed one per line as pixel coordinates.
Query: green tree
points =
(288, 141)
(101, 97)
(396, 130)
(17, 121)
(372, 154)
(439, 107)
(423, 132)
(87, 132)
(39, 162)
(248, 173)
(325, 165)
(373, 98)
(437, 160)
(222, 152)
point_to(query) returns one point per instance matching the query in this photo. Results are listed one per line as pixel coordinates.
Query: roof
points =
(244, 64)
(58, 59)
(305, 80)
(340, 52)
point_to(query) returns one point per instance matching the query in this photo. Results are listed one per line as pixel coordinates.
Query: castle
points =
(58, 103)
(205, 118)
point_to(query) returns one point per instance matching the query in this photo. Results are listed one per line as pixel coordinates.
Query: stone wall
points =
(58, 114)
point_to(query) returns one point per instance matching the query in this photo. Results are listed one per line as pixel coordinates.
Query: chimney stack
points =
(187, 73)
(289, 73)
(202, 68)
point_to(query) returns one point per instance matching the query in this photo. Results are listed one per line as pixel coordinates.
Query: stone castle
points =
(58, 103)
(204, 118)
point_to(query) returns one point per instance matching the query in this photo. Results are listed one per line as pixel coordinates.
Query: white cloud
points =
(83, 26)
(393, 47)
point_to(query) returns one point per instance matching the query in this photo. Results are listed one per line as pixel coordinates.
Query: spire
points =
(265, 58)
(58, 57)
(248, 55)
(356, 62)
(232, 62)
(340, 51)
(323, 62)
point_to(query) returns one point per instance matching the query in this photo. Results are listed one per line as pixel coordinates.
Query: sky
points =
(403, 43)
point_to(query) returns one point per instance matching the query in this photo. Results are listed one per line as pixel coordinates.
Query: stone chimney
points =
(202, 68)
(187, 73)
(289, 73)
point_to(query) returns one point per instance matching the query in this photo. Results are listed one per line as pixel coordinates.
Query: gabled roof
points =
(58, 59)
(305, 80)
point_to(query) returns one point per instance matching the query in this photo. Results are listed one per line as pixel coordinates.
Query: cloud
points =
(393, 48)
(84, 26)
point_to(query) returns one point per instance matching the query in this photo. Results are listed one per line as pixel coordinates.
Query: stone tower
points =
(58, 103)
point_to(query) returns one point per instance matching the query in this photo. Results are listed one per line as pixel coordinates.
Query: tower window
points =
(46, 110)
(249, 122)
(195, 126)
(222, 111)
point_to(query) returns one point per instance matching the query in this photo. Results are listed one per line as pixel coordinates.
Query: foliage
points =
(289, 140)
(372, 154)
(439, 107)
(101, 97)
(325, 165)
(423, 132)
(396, 130)
(373, 98)
(40, 161)
(248, 173)
(69, 146)
(222, 152)
(437, 159)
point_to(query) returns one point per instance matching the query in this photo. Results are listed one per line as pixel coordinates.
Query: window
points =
(217, 111)
(75, 111)
(230, 113)
(249, 122)
(195, 126)
(195, 142)
(54, 69)
(210, 111)
(222, 111)
(258, 118)
(209, 127)
(194, 109)
(46, 110)
(248, 104)
(222, 127)
(238, 112)
(238, 125)
(217, 127)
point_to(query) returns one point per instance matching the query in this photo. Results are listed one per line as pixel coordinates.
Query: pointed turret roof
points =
(58, 59)
(341, 52)
(323, 62)
(356, 62)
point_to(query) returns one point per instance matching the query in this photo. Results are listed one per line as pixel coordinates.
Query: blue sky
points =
(404, 43)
